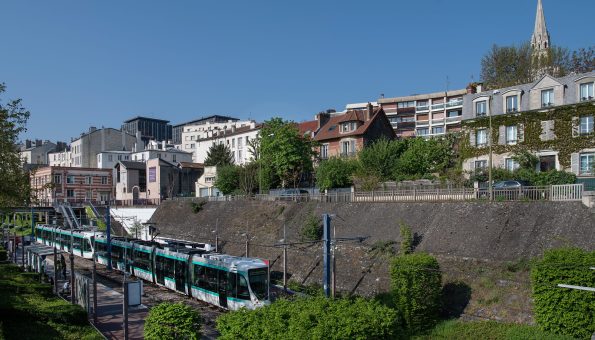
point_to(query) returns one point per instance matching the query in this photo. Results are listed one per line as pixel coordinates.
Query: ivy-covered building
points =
(551, 117)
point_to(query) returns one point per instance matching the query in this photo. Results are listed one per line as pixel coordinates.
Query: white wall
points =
(127, 217)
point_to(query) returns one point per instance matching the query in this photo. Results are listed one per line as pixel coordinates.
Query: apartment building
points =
(237, 138)
(74, 185)
(149, 128)
(36, 152)
(193, 135)
(344, 134)
(205, 186)
(178, 129)
(83, 151)
(425, 115)
(551, 117)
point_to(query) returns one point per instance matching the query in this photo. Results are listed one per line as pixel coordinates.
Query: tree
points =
(228, 179)
(14, 186)
(505, 66)
(248, 178)
(424, 158)
(218, 155)
(285, 151)
(382, 157)
(172, 321)
(583, 60)
(335, 173)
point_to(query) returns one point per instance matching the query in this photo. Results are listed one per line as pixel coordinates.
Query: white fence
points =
(566, 192)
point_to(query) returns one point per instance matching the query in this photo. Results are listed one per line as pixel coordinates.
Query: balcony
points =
(422, 108)
(584, 99)
(422, 123)
(454, 103)
(511, 110)
(437, 121)
(453, 120)
(438, 106)
(546, 105)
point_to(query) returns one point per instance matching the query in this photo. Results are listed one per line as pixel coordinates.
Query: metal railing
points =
(454, 103)
(566, 192)
(438, 106)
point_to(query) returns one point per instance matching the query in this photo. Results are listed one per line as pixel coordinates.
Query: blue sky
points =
(96, 63)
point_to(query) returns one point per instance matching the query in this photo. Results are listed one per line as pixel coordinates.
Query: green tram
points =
(81, 240)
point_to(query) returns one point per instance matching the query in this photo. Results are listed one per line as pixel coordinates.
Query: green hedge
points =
(416, 284)
(3, 255)
(563, 310)
(312, 318)
(172, 321)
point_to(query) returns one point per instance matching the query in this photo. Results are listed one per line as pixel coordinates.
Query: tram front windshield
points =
(259, 283)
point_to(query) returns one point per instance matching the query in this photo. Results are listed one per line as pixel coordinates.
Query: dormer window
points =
(547, 98)
(348, 126)
(586, 92)
(512, 103)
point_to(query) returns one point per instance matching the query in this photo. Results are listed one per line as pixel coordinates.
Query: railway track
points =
(154, 294)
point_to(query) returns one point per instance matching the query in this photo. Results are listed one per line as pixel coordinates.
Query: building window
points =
(511, 134)
(87, 179)
(233, 143)
(453, 114)
(510, 164)
(57, 179)
(586, 163)
(586, 125)
(119, 157)
(70, 193)
(240, 143)
(324, 151)
(103, 179)
(110, 158)
(240, 156)
(481, 138)
(481, 108)
(88, 194)
(512, 103)
(438, 130)
(173, 158)
(586, 91)
(209, 179)
(547, 98)
(403, 105)
(348, 148)
(348, 126)
(480, 165)
(69, 179)
(423, 132)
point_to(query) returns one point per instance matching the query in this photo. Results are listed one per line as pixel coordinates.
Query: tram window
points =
(164, 266)
(243, 292)
(180, 270)
(200, 276)
(259, 283)
(212, 278)
(232, 284)
(142, 260)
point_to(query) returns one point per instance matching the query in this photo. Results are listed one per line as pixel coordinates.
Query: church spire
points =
(540, 40)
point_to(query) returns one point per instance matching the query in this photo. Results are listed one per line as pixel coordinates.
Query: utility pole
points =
(55, 268)
(217, 236)
(94, 282)
(326, 249)
(489, 135)
(334, 269)
(32, 221)
(109, 238)
(247, 246)
(125, 291)
(284, 260)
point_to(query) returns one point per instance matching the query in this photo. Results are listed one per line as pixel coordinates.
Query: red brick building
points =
(74, 185)
(343, 134)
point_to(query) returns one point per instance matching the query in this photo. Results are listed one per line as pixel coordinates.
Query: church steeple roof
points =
(540, 40)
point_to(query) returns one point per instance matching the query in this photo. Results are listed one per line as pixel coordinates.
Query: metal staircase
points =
(69, 216)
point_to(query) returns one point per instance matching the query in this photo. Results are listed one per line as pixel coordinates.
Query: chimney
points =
(233, 128)
(27, 144)
(369, 111)
(37, 142)
(471, 88)
(140, 145)
(322, 118)
(163, 145)
(92, 129)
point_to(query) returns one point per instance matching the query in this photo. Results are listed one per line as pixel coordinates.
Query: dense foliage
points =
(487, 330)
(335, 173)
(227, 179)
(172, 321)
(504, 66)
(312, 229)
(26, 305)
(533, 177)
(14, 186)
(382, 157)
(416, 285)
(406, 238)
(562, 310)
(283, 150)
(219, 155)
(312, 318)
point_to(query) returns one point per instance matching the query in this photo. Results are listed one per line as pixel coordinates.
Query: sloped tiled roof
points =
(133, 165)
(331, 129)
(308, 127)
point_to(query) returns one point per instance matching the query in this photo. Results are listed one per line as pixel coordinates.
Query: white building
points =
(193, 133)
(36, 152)
(237, 139)
(205, 186)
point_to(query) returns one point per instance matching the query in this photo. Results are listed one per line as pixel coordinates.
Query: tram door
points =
(222, 288)
(160, 263)
(180, 276)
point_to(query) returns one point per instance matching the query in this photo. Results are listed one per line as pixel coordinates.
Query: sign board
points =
(135, 290)
(152, 174)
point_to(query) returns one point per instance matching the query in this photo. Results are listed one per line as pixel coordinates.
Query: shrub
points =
(406, 239)
(228, 179)
(312, 318)
(335, 173)
(416, 284)
(3, 255)
(562, 310)
(172, 321)
(312, 229)
(197, 206)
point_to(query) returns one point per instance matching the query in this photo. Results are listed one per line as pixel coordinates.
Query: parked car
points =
(509, 190)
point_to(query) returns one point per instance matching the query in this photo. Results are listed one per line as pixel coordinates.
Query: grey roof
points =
(206, 119)
(146, 118)
(422, 96)
(133, 165)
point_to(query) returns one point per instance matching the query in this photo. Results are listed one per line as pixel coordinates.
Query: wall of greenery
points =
(565, 141)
